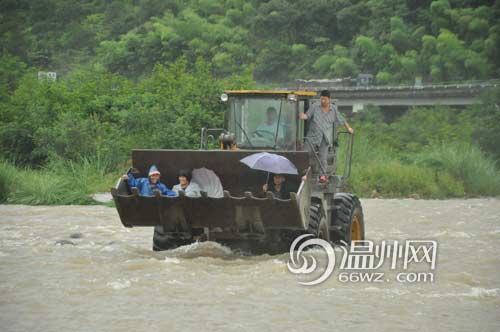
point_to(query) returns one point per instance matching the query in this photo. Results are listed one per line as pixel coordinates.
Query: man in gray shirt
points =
(321, 119)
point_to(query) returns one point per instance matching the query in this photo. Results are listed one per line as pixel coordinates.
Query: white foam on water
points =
(202, 249)
(397, 291)
(108, 249)
(172, 260)
(234, 290)
(372, 289)
(464, 278)
(83, 245)
(15, 235)
(483, 292)
(174, 282)
(329, 290)
(119, 284)
(475, 292)
(461, 235)
(438, 234)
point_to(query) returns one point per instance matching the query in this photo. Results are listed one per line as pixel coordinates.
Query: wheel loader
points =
(244, 217)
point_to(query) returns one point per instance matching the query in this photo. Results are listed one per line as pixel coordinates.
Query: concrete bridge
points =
(355, 98)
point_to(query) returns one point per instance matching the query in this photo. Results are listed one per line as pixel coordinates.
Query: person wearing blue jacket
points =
(145, 186)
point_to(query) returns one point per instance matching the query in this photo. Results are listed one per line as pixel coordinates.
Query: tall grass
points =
(393, 178)
(93, 174)
(439, 172)
(467, 163)
(376, 168)
(60, 182)
(7, 176)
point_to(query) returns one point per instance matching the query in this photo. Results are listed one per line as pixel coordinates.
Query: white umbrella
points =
(208, 181)
(270, 162)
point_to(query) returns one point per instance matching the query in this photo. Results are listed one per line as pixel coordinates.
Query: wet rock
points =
(64, 242)
(76, 236)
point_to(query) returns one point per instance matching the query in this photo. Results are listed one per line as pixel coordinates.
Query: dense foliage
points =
(147, 74)
(394, 40)
(432, 152)
(95, 113)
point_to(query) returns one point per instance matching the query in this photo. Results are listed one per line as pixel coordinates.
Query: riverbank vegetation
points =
(65, 140)
(60, 182)
(148, 74)
(428, 152)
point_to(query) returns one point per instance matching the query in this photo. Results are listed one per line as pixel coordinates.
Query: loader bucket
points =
(242, 209)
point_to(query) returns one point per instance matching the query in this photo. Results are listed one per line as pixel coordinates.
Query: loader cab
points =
(266, 120)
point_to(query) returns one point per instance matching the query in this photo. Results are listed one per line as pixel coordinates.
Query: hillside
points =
(279, 40)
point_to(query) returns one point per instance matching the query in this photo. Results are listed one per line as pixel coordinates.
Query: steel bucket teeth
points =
(198, 212)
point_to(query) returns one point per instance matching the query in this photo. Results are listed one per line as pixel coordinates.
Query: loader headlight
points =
(224, 97)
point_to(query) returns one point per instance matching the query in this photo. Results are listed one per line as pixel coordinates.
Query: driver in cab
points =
(267, 130)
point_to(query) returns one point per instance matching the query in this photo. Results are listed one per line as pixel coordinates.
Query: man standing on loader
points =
(321, 119)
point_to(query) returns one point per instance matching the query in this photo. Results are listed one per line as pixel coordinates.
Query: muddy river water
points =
(108, 279)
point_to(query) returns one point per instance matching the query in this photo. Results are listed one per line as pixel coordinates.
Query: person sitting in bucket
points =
(192, 189)
(145, 186)
(278, 187)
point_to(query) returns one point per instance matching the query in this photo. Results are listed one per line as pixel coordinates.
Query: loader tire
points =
(161, 241)
(347, 219)
(318, 226)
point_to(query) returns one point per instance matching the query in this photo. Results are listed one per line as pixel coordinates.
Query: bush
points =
(378, 168)
(62, 182)
(7, 176)
(394, 179)
(44, 188)
(467, 163)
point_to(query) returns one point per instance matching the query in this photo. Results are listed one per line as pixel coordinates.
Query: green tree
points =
(344, 67)
(323, 64)
(400, 36)
(365, 51)
(11, 70)
(486, 120)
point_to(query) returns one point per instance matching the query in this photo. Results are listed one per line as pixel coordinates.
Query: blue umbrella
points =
(270, 162)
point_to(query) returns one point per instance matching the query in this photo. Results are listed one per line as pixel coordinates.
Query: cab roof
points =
(272, 92)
